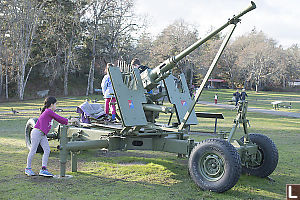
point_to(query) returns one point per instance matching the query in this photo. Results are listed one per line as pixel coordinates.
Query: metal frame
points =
(99, 136)
(139, 109)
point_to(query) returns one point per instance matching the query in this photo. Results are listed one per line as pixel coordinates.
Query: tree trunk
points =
(88, 84)
(257, 84)
(245, 83)
(283, 82)
(56, 66)
(6, 81)
(92, 76)
(1, 68)
(27, 33)
(67, 62)
(90, 87)
(232, 81)
(21, 80)
(66, 79)
(1, 79)
(192, 75)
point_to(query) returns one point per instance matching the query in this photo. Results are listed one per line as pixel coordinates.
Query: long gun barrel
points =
(151, 78)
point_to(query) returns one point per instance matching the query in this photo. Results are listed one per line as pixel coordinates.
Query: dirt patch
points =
(41, 179)
(55, 164)
(182, 161)
(142, 154)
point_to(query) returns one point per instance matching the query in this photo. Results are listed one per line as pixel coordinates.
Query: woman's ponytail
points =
(48, 102)
(44, 108)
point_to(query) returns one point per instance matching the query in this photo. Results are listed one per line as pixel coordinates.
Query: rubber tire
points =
(231, 161)
(28, 128)
(269, 156)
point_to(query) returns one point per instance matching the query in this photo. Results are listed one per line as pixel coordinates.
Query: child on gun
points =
(108, 92)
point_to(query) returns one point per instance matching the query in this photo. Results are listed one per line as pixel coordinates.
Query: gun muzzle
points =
(252, 6)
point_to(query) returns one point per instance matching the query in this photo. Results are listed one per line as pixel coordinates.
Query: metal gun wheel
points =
(215, 165)
(266, 158)
(28, 128)
(211, 166)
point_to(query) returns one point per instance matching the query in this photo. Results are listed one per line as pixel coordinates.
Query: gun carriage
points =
(214, 164)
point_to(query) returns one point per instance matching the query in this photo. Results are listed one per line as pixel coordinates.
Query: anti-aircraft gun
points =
(214, 164)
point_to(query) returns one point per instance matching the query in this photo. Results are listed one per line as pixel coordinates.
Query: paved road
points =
(271, 112)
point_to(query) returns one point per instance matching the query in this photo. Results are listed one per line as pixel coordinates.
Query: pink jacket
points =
(44, 122)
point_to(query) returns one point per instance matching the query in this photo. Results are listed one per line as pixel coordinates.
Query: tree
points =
(25, 16)
(57, 36)
(110, 28)
(98, 9)
(173, 40)
(293, 62)
(4, 45)
(255, 60)
(1, 62)
(227, 62)
(143, 48)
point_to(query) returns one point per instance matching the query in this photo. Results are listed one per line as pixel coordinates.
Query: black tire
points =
(267, 156)
(29, 126)
(215, 165)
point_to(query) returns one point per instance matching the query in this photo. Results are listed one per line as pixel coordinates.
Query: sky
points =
(278, 19)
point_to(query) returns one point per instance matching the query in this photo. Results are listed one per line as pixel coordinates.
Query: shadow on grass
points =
(12, 172)
(191, 190)
(248, 186)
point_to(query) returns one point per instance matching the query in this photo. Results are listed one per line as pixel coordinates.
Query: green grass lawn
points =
(144, 174)
(38, 103)
(256, 100)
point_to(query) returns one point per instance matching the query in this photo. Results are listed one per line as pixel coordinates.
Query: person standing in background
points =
(137, 64)
(237, 96)
(216, 98)
(243, 95)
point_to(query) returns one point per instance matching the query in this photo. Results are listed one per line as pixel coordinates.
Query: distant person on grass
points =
(216, 98)
(243, 95)
(237, 97)
(39, 135)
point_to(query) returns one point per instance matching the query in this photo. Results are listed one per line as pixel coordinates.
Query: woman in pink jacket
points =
(39, 135)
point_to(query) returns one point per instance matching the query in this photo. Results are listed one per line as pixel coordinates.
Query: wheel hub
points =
(256, 159)
(211, 167)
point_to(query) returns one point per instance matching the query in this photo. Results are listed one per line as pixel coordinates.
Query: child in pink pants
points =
(108, 93)
(39, 135)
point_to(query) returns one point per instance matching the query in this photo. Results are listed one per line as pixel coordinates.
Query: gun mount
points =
(132, 89)
(214, 164)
